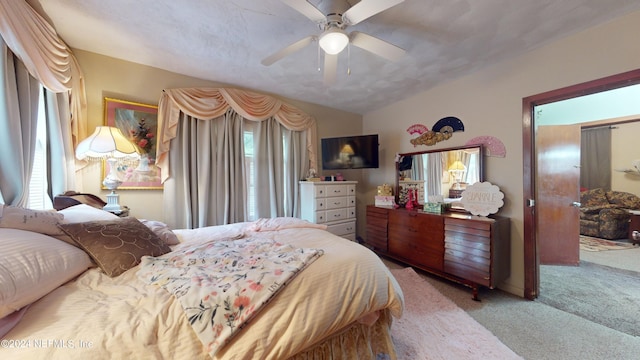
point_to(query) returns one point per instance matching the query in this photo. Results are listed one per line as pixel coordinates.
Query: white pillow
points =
(32, 265)
(42, 221)
(162, 230)
(83, 213)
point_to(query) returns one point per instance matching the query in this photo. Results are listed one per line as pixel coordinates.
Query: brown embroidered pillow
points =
(116, 245)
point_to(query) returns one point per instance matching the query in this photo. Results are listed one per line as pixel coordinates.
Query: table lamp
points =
(108, 143)
(457, 170)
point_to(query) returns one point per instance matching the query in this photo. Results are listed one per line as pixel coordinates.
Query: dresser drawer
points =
(337, 214)
(342, 229)
(337, 190)
(336, 202)
(468, 250)
(321, 203)
(332, 203)
(321, 217)
(377, 220)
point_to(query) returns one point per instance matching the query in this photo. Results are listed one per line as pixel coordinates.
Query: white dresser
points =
(332, 203)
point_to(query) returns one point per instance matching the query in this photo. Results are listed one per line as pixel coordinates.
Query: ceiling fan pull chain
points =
(349, 58)
(318, 59)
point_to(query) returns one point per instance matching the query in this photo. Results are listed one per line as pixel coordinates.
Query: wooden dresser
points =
(332, 203)
(471, 250)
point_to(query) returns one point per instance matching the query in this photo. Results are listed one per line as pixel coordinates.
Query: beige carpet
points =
(588, 243)
(433, 327)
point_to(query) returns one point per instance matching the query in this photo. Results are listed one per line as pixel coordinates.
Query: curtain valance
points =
(210, 103)
(46, 57)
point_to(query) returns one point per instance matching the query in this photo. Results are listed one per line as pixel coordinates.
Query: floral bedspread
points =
(222, 284)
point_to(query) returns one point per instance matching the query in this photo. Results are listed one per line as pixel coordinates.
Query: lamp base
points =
(112, 203)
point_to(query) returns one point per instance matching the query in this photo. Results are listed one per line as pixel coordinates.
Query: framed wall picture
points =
(139, 123)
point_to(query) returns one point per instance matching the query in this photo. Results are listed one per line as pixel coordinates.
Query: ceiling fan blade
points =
(330, 68)
(376, 46)
(306, 9)
(288, 50)
(366, 9)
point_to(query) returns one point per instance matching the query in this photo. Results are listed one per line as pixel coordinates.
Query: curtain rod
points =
(599, 127)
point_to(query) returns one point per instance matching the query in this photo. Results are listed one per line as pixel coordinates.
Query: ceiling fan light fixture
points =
(333, 40)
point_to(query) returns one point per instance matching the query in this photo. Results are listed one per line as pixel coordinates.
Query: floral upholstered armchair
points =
(605, 214)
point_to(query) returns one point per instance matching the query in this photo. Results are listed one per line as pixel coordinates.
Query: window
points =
(252, 183)
(250, 171)
(38, 196)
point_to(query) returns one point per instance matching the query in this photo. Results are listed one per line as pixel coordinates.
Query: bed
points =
(63, 301)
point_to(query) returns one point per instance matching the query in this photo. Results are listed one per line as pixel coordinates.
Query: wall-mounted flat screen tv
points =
(350, 152)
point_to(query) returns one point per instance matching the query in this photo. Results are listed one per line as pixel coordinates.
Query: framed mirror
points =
(438, 175)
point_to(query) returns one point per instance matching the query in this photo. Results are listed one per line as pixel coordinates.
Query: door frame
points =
(531, 260)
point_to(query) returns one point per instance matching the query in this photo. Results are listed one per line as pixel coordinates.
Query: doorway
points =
(531, 257)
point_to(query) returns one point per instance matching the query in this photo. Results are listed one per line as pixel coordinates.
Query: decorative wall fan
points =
(333, 17)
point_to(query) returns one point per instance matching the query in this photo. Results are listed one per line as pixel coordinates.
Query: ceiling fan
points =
(333, 17)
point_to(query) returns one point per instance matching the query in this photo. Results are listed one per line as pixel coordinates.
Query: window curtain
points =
(278, 169)
(48, 59)
(183, 188)
(210, 103)
(31, 46)
(61, 155)
(595, 158)
(434, 175)
(18, 125)
(208, 182)
(418, 167)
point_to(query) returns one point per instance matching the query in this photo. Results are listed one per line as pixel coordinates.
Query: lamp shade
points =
(333, 41)
(347, 149)
(457, 166)
(106, 142)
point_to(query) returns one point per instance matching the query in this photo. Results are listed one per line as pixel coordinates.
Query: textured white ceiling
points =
(225, 40)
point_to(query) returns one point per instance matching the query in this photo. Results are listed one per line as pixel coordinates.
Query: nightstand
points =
(634, 225)
(123, 213)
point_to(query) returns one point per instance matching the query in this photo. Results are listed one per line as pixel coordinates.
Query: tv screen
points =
(350, 152)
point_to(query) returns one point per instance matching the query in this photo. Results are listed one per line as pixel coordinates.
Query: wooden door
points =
(557, 193)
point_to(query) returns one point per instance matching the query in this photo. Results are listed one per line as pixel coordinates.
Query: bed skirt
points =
(358, 341)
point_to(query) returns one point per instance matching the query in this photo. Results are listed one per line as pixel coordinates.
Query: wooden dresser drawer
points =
(468, 249)
(422, 229)
(472, 250)
(417, 237)
(377, 222)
